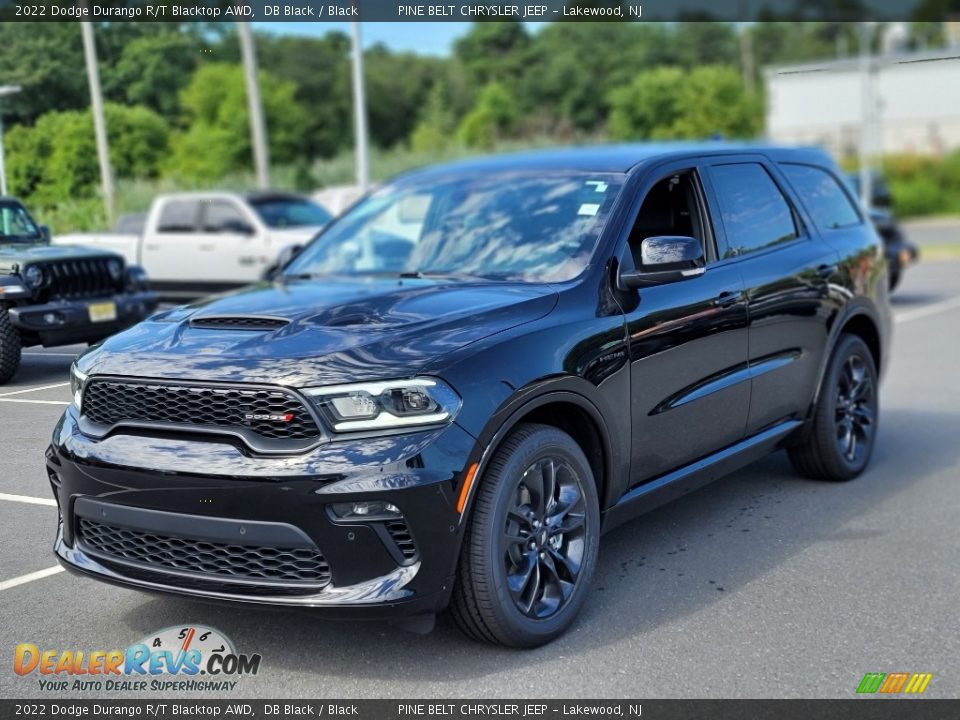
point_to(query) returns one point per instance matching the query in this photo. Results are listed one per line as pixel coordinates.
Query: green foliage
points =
(491, 119)
(435, 127)
(666, 103)
(218, 139)
(922, 185)
(56, 159)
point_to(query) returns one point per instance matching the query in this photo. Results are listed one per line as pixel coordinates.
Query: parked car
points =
(457, 386)
(59, 296)
(338, 198)
(900, 252)
(192, 244)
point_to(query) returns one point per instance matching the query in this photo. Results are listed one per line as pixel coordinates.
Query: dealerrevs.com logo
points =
(185, 658)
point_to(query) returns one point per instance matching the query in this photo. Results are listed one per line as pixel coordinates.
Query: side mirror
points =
(45, 233)
(283, 259)
(238, 227)
(665, 259)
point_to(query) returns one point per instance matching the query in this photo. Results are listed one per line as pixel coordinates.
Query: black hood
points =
(324, 331)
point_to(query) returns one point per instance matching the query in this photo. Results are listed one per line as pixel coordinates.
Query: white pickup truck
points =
(191, 244)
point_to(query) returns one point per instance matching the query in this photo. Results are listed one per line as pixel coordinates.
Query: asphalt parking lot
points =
(762, 585)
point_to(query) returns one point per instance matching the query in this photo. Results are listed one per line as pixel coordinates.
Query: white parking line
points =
(30, 577)
(34, 389)
(927, 310)
(35, 402)
(29, 499)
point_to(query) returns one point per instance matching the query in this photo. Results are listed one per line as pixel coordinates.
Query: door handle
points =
(727, 298)
(826, 271)
(151, 246)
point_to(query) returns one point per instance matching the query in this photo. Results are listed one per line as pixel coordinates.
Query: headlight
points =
(33, 276)
(136, 278)
(386, 405)
(77, 381)
(115, 268)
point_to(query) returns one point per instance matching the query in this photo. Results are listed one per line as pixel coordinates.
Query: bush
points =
(924, 185)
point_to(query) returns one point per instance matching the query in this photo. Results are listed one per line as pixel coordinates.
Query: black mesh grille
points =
(401, 536)
(241, 562)
(238, 323)
(274, 414)
(87, 277)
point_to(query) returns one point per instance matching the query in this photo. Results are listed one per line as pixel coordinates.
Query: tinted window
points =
(754, 212)
(222, 216)
(178, 216)
(825, 199)
(16, 225)
(531, 227)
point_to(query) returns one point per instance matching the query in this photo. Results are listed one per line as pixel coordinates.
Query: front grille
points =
(259, 410)
(82, 278)
(402, 538)
(218, 560)
(238, 323)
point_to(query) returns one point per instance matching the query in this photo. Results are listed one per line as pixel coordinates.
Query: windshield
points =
(16, 225)
(279, 213)
(532, 228)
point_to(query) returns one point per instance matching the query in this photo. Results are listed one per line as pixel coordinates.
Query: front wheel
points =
(840, 441)
(9, 347)
(531, 543)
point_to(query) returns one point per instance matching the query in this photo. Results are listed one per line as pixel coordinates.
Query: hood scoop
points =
(255, 323)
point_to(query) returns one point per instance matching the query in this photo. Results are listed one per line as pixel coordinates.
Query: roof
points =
(615, 158)
(853, 63)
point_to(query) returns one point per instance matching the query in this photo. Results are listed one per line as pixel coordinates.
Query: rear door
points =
(229, 249)
(690, 388)
(787, 271)
(170, 241)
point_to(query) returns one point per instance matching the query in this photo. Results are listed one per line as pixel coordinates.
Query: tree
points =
(493, 51)
(435, 125)
(152, 70)
(492, 117)
(217, 140)
(398, 85)
(670, 103)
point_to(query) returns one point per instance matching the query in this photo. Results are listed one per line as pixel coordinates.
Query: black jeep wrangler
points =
(60, 295)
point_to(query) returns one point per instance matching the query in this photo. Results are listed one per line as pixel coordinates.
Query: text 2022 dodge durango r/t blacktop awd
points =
(447, 396)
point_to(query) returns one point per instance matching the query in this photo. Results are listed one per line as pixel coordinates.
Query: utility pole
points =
(747, 67)
(4, 91)
(99, 124)
(360, 112)
(258, 126)
(867, 107)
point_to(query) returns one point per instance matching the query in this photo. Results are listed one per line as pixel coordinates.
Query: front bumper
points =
(64, 322)
(207, 521)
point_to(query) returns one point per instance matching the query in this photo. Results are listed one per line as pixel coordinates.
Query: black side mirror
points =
(665, 259)
(239, 227)
(45, 233)
(285, 257)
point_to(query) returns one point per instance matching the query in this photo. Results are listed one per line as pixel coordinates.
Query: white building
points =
(916, 106)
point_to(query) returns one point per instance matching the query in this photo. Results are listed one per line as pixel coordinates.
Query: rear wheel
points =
(531, 544)
(840, 441)
(9, 347)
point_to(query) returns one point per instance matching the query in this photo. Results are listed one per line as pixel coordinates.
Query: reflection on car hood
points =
(336, 331)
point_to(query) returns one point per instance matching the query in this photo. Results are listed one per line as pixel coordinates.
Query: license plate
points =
(102, 312)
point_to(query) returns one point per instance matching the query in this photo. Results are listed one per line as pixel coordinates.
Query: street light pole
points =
(360, 112)
(4, 91)
(99, 124)
(258, 126)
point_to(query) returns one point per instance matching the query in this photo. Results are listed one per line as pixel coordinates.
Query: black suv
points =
(460, 383)
(60, 295)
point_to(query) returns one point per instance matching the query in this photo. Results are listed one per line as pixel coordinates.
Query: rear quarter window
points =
(828, 204)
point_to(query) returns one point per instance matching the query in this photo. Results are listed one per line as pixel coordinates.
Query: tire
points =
(847, 411)
(9, 347)
(509, 538)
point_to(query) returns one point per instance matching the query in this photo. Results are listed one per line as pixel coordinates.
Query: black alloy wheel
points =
(842, 433)
(531, 542)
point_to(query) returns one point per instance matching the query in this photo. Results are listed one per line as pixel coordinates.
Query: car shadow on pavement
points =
(675, 561)
(40, 370)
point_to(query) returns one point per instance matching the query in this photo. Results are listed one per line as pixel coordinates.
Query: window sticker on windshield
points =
(588, 209)
(598, 185)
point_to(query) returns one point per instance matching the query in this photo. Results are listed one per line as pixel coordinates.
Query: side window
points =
(828, 204)
(754, 212)
(222, 216)
(178, 216)
(669, 208)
